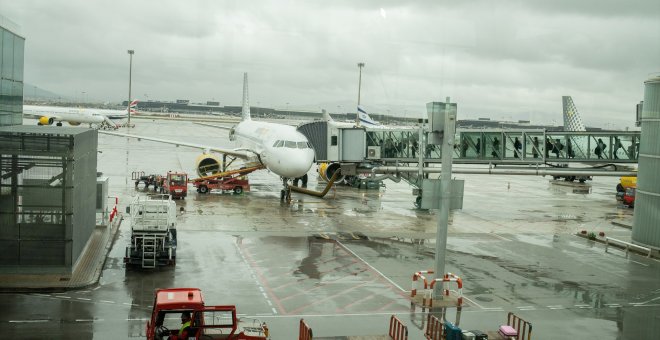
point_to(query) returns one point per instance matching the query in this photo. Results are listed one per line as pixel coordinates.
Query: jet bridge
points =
(358, 150)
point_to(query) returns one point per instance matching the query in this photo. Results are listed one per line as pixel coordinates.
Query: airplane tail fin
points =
(133, 106)
(572, 119)
(246, 102)
(364, 116)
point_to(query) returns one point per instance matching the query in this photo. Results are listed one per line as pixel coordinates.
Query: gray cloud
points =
(509, 59)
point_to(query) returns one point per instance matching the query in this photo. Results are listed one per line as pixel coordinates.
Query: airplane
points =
(279, 148)
(47, 115)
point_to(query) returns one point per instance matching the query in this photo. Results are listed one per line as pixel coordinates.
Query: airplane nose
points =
(294, 163)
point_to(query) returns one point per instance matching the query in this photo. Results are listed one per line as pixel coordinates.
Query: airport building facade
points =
(12, 48)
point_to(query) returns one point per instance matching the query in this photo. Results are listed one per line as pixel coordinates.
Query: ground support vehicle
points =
(626, 190)
(153, 231)
(208, 322)
(174, 183)
(232, 180)
(140, 177)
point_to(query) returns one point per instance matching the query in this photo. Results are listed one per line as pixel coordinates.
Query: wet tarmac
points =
(345, 263)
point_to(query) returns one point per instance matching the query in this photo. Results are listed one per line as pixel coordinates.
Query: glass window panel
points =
(290, 144)
(19, 46)
(7, 55)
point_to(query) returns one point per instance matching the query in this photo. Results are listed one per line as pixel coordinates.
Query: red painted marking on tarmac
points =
(316, 302)
(386, 305)
(343, 309)
(261, 279)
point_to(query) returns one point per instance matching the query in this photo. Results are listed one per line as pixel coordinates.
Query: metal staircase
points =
(149, 250)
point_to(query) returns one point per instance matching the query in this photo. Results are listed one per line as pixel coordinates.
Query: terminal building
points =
(47, 179)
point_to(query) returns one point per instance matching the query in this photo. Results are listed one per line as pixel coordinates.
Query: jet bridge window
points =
(290, 144)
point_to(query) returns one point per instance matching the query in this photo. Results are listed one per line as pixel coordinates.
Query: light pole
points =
(357, 114)
(130, 74)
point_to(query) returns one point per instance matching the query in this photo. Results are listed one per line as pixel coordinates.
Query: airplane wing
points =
(215, 126)
(236, 153)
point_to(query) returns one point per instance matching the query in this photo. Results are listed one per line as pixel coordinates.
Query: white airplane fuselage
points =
(291, 158)
(64, 114)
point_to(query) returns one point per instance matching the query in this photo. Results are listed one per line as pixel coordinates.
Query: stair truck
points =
(153, 231)
(207, 322)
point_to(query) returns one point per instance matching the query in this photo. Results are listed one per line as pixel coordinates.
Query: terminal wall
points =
(646, 226)
(47, 197)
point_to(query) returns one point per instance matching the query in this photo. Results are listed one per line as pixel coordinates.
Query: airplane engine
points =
(74, 123)
(327, 170)
(207, 165)
(45, 121)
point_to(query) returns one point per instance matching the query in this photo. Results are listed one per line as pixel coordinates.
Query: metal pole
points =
(130, 74)
(445, 187)
(357, 116)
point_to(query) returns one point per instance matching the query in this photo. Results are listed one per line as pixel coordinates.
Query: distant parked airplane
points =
(47, 115)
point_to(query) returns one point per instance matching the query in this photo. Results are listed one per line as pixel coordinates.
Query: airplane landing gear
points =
(285, 193)
(303, 179)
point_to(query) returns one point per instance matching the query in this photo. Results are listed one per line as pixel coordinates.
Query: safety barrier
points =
(417, 276)
(523, 327)
(449, 277)
(398, 331)
(113, 213)
(305, 332)
(434, 328)
(627, 246)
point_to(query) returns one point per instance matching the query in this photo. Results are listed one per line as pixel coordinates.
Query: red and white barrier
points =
(448, 278)
(416, 276)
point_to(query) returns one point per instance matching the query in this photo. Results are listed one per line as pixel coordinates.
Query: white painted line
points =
(473, 302)
(643, 264)
(265, 296)
(269, 303)
(137, 319)
(97, 288)
(130, 304)
(370, 266)
(612, 305)
(582, 305)
(28, 321)
(39, 294)
(492, 308)
(106, 301)
(63, 297)
(83, 291)
(84, 299)
(556, 306)
(274, 310)
(261, 289)
(528, 308)
(88, 320)
(501, 237)
(525, 307)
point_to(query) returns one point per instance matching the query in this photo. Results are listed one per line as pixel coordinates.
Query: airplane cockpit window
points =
(280, 143)
(309, 145)
(290, 144)
(302, 145)
(275, 144)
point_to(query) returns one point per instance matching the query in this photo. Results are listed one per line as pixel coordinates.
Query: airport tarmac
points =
(345, 263)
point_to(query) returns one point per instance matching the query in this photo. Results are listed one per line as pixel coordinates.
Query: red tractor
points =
(206, 322)
(175, 184)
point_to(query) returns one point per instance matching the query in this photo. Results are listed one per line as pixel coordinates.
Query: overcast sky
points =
(505, 59)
